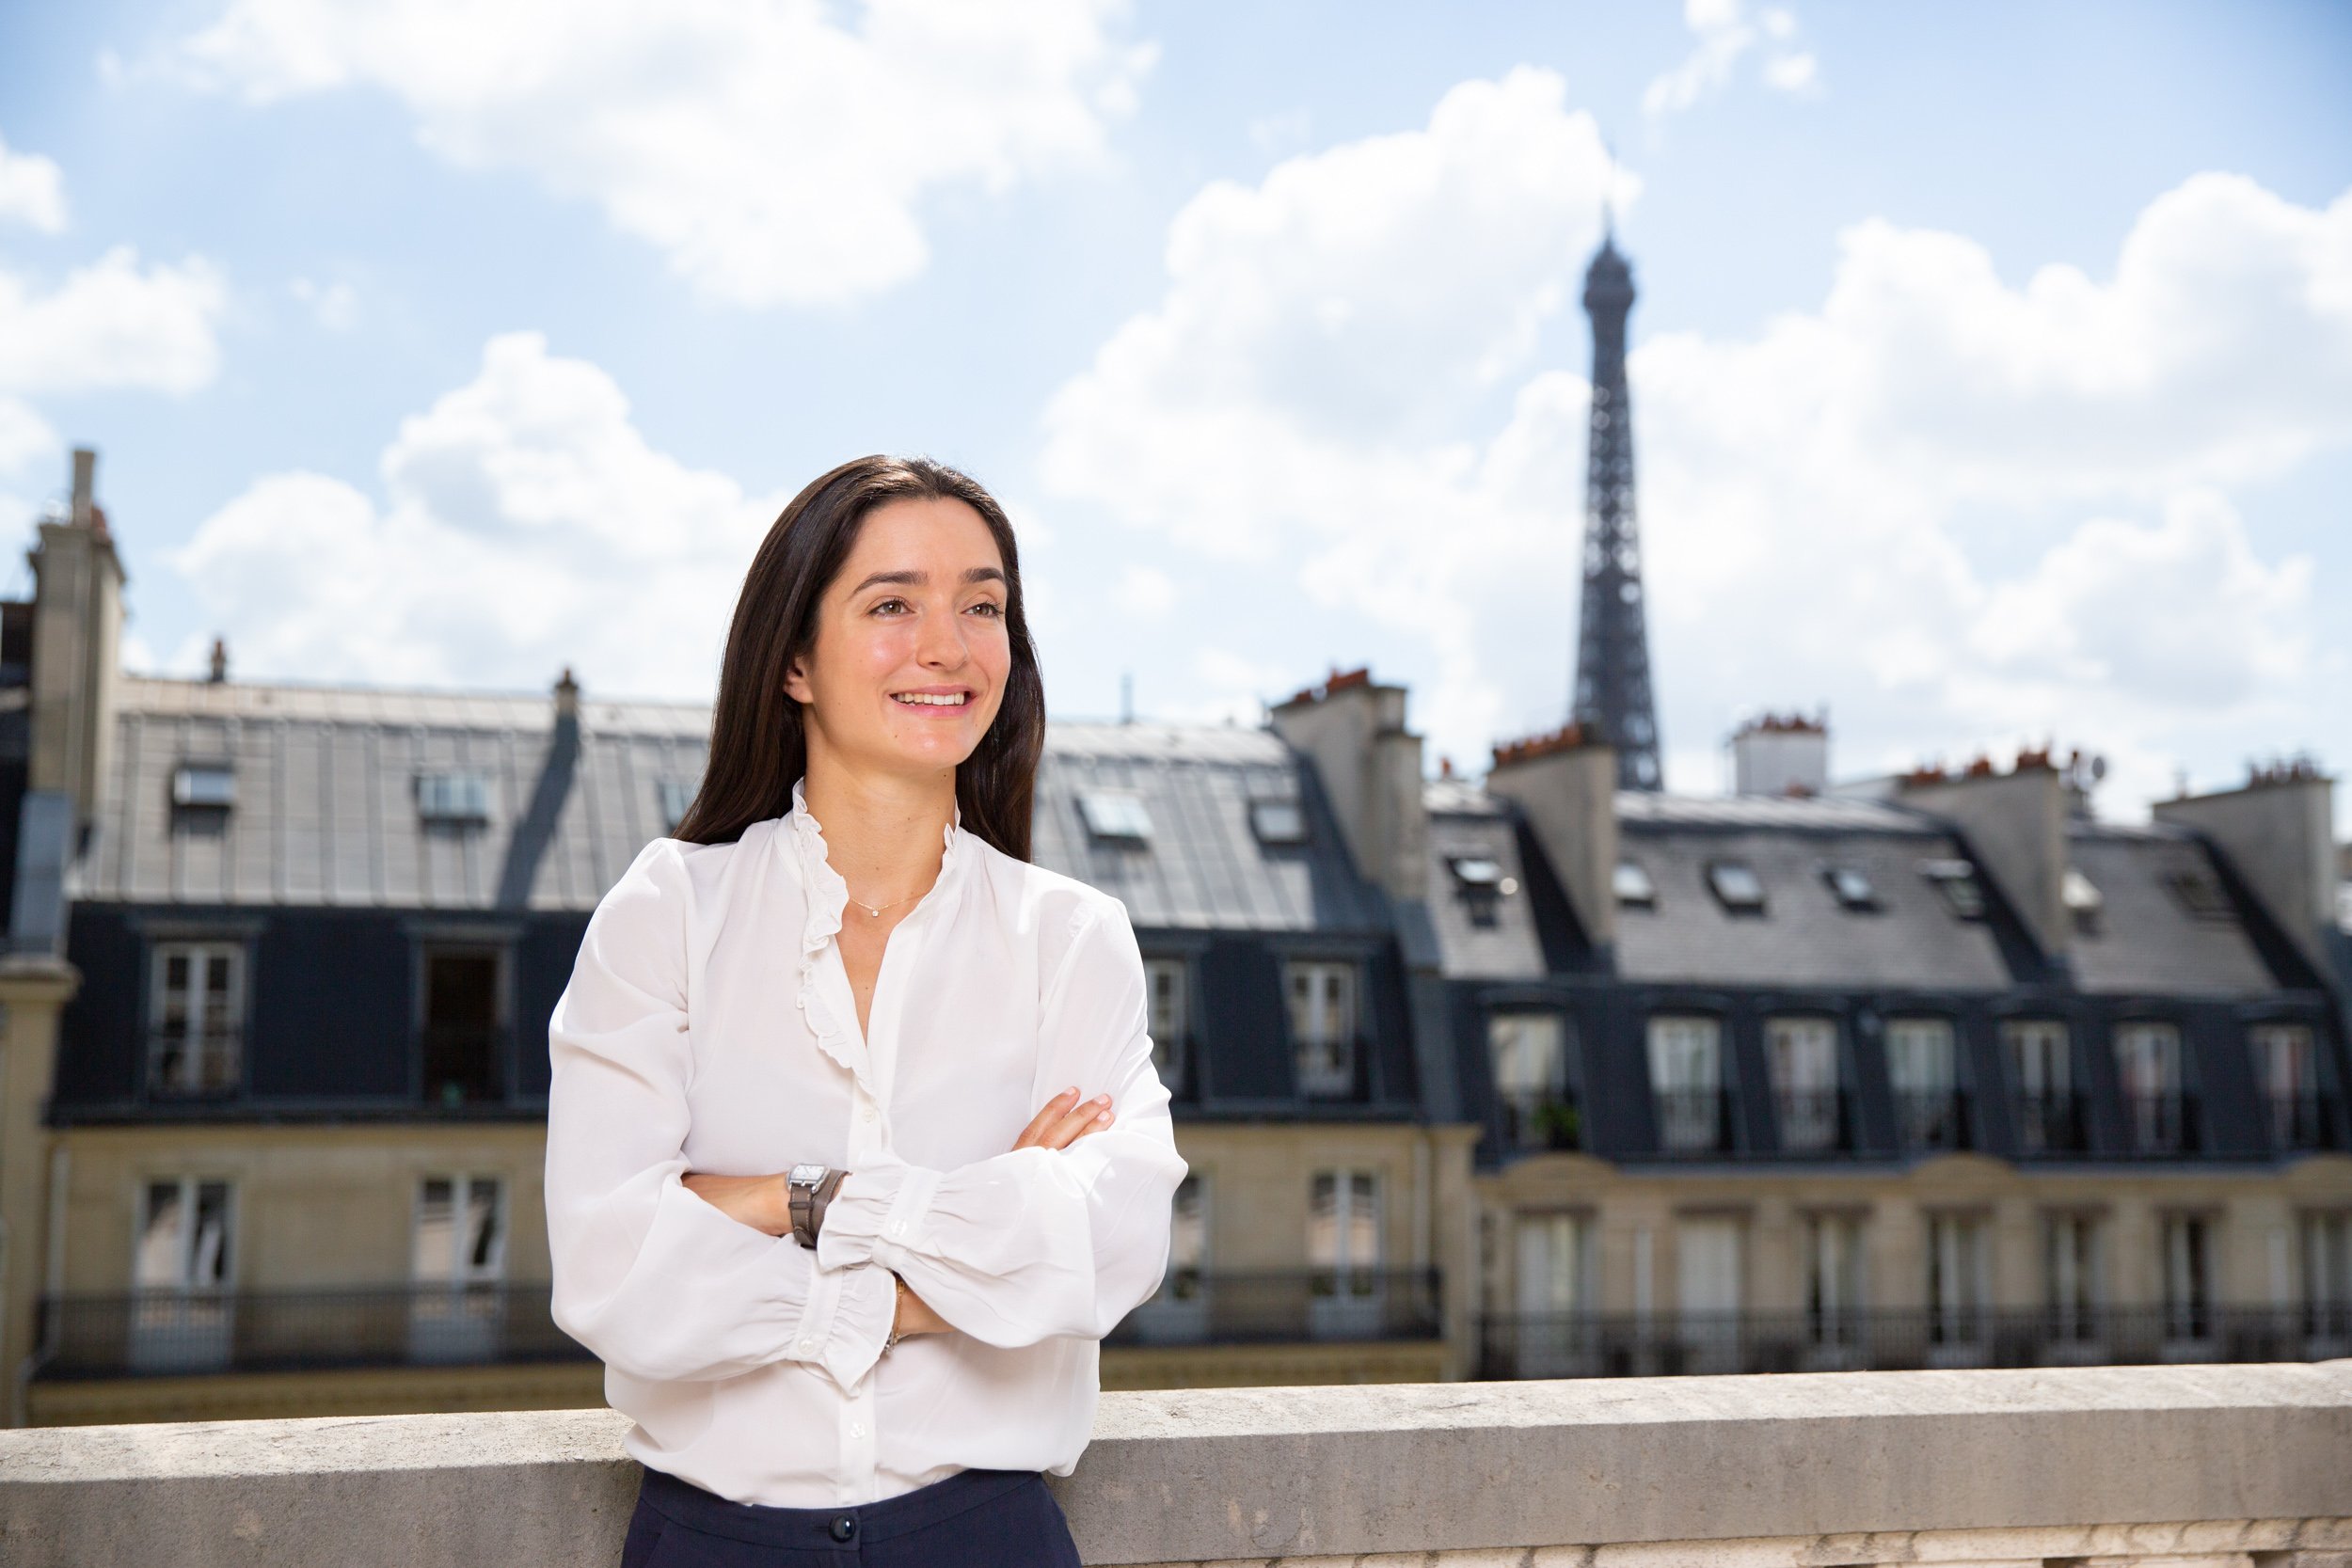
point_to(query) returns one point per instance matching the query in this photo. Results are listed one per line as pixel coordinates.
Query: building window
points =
(1710, 1277)
(2188, 1277)
(2084, 903)
(1959, 1284)
(1686, 1074)
(455, 799)
(195, 1041)
(2155, 1106)
(1922, 1064)
(1737, 887)
(1188, 1238)
(2073, 1275)
(1117, 814)
(1530, 1055)
(1323, 1024)
(204, 785)
(1480, 883)
(1632, 886)
(1278, 822)
(2041, 1066)
(1956, 883)
(457, 1263)
(1833, 1279)
(1165, 981)
(1343, 1253)
(1851, 887)
(2286, 1064)
(181, 1317)
(2201, 894)
(1803, 1054)
(464, 1032)
(2327, 1280)
(1552, 1331)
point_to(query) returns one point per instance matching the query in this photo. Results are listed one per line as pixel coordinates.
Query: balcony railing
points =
(462, 1065)
(1930, 1120)
(2301, 1121)
(1693, 1121)
(2049, 1122)
(1327, 1068)
(1811, 1121)
(118, 1336)
(1285, 1305)
(1896, 1339)
(2160, 1123)
(198, 1066)
(1542, 1121)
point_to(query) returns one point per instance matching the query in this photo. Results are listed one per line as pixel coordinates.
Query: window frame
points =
(460, 1276)
(198, 948)
(1340, 1077)
(191, 1187)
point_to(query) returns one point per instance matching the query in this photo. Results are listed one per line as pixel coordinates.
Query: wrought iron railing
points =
(2160, 1122)
(1542, 1121)
(206, 1064)
(169, 1331)
(2049, 1122)
(1286, 1306)
(1811, 1121)
(2301, 1120)
(1693, 1121)
(1594, 1345)
(1931, 1120)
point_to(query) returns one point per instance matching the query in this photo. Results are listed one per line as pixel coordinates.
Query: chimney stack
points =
(2015, 824)
(77, 632)
(566, 697)
(1565, 784)
(85, 486)
(220, 661)
(2278, 832)
(1353, 729)
(1779, 755)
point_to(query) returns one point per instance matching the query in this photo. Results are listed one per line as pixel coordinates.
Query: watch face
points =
(806, 1173)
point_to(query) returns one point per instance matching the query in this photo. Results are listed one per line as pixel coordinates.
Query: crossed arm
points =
(762, 1202)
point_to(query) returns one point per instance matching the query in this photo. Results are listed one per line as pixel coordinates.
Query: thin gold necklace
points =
(876, 909)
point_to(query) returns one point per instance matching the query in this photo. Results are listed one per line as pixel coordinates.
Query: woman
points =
(855, 1146)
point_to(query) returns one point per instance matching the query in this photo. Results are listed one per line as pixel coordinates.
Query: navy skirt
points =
(973, 1519)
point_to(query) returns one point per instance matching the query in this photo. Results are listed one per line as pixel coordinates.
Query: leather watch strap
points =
(822, 1197)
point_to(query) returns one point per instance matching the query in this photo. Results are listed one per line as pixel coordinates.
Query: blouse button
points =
(869, 1113)
(808, 1344)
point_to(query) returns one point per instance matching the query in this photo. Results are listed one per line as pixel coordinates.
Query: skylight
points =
(1957, 882)
(2082, 899)
(2201, 894)
(452, 796)
(204, 784)
(1633, 885)
(1851, 886)
(1736, 885)
(1278, 822)
(1115, 813)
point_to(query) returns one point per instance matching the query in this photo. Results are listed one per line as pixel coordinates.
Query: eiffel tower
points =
(1612, 689)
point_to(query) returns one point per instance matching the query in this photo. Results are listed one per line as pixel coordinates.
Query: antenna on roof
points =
(1608, 191)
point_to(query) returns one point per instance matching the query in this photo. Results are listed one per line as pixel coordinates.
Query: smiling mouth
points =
(919, 699)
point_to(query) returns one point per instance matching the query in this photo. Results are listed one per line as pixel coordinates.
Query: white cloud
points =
(112, 324)
(1146, 592)
(526, 525)
(1726, 32)
(773, 153)
(32, 191)
(1959, 511)
(25, 436)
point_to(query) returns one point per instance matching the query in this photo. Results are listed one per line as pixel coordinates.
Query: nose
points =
(943, 646)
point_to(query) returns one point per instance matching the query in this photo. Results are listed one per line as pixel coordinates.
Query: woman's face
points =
(910, 655)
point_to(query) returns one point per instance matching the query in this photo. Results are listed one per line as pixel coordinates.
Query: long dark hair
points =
(758, 744)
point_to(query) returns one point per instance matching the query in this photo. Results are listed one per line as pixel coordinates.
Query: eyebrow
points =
(919, 579)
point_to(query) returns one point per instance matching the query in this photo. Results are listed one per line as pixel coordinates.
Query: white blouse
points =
(708, 1026)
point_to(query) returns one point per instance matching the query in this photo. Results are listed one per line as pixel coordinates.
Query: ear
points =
(796, 681)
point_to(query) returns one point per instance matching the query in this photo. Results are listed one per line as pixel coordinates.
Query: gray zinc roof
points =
(1464, 822)
(1803, 936)
(327, 812)
(2147, 936)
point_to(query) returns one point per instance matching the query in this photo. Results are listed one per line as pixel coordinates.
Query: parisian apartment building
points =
(1548, 1072)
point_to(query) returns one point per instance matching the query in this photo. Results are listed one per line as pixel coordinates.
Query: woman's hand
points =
(1063, 1121)
(761, 1202)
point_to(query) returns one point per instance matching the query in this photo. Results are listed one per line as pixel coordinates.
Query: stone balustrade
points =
(2192, 1467)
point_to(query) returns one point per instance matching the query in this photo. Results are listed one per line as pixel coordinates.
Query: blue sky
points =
(1992, 366)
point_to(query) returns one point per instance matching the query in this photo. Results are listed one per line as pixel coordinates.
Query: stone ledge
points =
(2206, 1465)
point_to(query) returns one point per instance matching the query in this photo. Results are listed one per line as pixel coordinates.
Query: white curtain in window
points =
(1920, 1055)
(1553, 1266)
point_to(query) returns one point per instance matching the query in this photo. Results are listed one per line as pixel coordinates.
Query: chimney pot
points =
(84, 483)
(220, 660)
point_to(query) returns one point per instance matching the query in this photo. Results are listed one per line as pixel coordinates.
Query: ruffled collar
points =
(827, 896)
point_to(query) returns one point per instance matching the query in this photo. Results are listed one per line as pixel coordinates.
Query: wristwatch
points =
(811, 1187)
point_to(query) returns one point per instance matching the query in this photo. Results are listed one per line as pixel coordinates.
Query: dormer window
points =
(456, 798)
(1737, 886)
(1479, 881)
(1278, 822)
(2201, 894)
(1632, 886)
(1115, 813)
(203, 785)
(2082, 900)
(1851, 887)
(1957, 882)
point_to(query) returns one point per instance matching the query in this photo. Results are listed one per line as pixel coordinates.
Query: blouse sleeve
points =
(1036, 1241)
(658, 1282)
